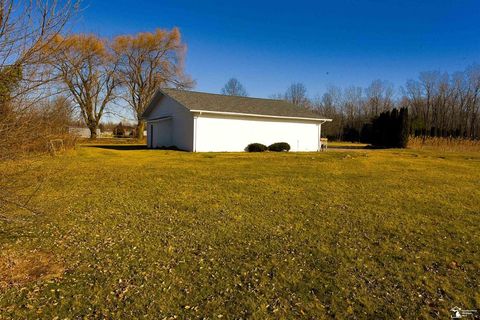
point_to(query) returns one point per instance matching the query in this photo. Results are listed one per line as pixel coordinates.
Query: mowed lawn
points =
(121, 233)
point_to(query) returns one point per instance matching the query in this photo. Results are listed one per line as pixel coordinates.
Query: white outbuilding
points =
(204, 122)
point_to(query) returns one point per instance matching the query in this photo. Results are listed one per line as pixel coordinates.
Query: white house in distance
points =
(204, 122)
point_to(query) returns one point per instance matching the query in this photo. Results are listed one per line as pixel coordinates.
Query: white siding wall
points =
(231, 133)
(177, 131)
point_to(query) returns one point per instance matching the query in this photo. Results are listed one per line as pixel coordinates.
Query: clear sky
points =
(269, 44)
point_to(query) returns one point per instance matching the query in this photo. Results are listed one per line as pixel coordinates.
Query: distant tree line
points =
(445, 105)
(438, 104)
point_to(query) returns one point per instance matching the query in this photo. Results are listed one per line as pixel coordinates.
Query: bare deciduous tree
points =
(353, 104)
(277, 96)
(87, 68)
(26, 29)
(149, 61)
(379, 98)
(297, 94)
(329, 106)
(234, 88)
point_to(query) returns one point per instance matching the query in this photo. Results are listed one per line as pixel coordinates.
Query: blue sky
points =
(268, 45)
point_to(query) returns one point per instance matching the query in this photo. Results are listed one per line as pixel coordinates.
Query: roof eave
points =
(261, 115)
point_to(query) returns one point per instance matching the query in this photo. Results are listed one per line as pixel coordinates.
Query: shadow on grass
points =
(132, 147)
(366, 147)
(350, 147)
(119, 147)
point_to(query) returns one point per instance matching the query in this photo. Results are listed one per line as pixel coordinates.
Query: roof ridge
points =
(225, 95)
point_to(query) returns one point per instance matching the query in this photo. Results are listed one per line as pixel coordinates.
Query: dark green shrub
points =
(256, 147)
(279, 147)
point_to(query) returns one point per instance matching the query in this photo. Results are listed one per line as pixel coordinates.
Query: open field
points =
(119, 232)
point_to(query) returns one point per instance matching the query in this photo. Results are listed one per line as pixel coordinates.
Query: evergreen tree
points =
(389, 130)
(404, 128)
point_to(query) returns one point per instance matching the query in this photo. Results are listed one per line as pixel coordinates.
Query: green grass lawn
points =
(130, 233)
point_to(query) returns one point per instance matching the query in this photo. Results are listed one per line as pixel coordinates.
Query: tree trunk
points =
(93, 131)
(140, 129)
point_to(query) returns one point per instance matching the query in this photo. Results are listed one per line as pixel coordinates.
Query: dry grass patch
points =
(20, 268)
(444, 144)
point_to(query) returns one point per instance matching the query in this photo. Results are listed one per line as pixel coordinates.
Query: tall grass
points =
(444, 144)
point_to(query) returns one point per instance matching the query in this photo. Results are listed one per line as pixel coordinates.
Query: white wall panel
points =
(232, 133)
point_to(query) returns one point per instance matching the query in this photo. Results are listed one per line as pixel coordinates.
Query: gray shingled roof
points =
(221, 103)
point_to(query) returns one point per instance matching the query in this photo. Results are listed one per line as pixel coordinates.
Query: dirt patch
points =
(19, 268)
